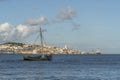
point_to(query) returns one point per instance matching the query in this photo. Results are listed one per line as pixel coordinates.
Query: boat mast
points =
(41, 37)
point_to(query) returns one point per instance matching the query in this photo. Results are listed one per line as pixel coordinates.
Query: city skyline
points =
(81, 24)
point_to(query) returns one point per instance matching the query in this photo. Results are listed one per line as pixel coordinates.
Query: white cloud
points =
(40, 20)
(19, 32)
(71, 12)
(22, 30)
(66, 14)
(63, 15)
(4, 27)
(9, 32)
(4, 31)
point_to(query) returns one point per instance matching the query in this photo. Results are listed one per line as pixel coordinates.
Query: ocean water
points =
(62, 67)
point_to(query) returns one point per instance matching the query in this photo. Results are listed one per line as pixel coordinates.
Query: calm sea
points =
(62, 67)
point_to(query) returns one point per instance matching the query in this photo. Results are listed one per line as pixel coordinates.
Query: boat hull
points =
(38, 58)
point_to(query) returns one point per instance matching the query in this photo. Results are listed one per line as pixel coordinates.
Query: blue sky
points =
(91, 24)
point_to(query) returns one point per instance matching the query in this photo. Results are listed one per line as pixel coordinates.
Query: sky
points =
(81, 24)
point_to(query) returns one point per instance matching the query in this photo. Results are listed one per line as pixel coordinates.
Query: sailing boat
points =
(40, 57)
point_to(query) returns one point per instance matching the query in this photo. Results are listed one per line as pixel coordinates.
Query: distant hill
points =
(13, 44)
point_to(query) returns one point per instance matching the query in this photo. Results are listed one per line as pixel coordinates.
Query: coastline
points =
(20, 48)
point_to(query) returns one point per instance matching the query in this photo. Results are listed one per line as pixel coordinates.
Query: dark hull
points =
(38, 58)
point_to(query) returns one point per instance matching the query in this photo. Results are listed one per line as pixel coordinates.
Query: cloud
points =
(39, 21)
(4, 31)
(71, 12)
(19, 32)
(10, 32)
(4, 27)
(66, 14)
